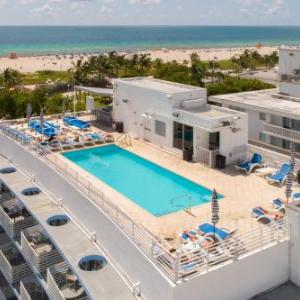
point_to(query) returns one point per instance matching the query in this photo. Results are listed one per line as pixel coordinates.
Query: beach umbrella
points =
(215, 209)
(42, 120)
(28, 111)
(289, 186)
(293, 155)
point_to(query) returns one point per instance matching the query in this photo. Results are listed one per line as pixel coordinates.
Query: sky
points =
(149, 12)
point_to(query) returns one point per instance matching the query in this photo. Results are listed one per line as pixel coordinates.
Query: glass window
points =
(263, 137)
(262, 116)
(160, 128)
(178, 136)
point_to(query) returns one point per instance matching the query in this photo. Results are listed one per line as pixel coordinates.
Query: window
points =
(160, 128)
(263, 137)
(262, 116)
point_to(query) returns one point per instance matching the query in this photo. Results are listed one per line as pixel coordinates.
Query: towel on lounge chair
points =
(249, 165)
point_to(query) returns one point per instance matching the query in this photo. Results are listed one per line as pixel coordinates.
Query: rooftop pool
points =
(152, 187)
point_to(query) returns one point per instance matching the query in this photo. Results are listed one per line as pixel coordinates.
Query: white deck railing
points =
(207, 157)
(15, 273)
(13, 227)
(176, 265)
(41, 262)
(31, 289)
(282, 132)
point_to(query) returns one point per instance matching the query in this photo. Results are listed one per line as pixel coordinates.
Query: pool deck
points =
(241, 193)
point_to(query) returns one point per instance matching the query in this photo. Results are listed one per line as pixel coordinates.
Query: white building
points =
(176, 117)
(274, 115)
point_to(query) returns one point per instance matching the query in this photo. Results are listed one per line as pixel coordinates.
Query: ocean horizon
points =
(42, 40)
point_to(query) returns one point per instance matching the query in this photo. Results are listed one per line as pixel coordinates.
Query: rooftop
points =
(160, 85)
(211, 112)
(268, 100)
(72, 242)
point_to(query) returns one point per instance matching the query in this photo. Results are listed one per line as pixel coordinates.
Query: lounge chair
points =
(296, 197)
(250, 165)
(55, 145)
(96, 137)
(281, 175)
(220, 234)
(261, 216)
(279, 205)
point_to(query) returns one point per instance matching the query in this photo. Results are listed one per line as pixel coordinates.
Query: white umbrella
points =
(28, 111)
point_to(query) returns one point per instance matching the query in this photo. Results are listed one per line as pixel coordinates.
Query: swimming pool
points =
(156, 189)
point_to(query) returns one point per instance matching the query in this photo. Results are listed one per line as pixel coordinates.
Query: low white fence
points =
(175, 264)
(207, 157)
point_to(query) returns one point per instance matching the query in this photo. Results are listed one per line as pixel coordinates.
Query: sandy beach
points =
(64, 62)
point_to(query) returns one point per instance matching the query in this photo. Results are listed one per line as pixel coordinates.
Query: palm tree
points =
(198, 69)
(11, 78)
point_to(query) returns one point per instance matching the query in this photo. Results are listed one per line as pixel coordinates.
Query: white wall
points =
(290, 88)
(240, 280)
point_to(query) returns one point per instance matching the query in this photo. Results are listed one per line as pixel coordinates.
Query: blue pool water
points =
(156, 189)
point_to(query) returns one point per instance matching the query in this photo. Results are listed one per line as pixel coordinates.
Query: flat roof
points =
(211, 112)
(94, 90)
(69, 239)
(160, 85)
(263, 100)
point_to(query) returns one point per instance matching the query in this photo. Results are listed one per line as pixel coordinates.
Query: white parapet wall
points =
(238, 279)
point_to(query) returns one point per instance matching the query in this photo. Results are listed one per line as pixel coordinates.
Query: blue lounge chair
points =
(281, 175)
(221, 234)
(250, 165)
(279, 205)
(261, 216)
(96, 137)
(296, 197)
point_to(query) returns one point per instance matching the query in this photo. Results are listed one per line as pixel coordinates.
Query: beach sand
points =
(64, 62)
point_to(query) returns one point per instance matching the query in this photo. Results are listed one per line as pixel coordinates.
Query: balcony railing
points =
(63, 284)
(32, 290)
(13, 266)
(282, 132)
(207, 157)
(39, 250)
(14, 219)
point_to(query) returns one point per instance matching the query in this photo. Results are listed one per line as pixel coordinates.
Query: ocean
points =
(31, 40)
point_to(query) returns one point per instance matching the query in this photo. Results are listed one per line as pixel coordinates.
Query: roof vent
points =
(8, 170)
(58, 220)
(92, 263)
(32, 191)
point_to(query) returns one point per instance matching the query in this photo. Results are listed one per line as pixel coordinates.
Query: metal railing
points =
(282, 132)
(14, 226)
(174, 265)
(40, 261)
(207, 157)
(31, 289)
(56, 282)
(13, 272)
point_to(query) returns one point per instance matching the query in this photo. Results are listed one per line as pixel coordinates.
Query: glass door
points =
(188, 141)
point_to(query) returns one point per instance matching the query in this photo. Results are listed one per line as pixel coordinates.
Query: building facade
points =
(177, 117)
(274, 115)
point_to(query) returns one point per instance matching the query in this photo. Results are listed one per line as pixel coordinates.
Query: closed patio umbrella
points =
(293, 155)
(215, 209)
(289, 186)
(42, 121)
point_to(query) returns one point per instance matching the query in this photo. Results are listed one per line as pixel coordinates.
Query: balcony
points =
(39, 250)
(13, 266)
(285, 133)
(206, 157)
(14, 218)
(63, 284)
(32, 290)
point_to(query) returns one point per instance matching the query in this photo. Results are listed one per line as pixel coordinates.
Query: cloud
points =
(145, 2)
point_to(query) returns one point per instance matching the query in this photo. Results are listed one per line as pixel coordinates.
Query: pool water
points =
(156, 189)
